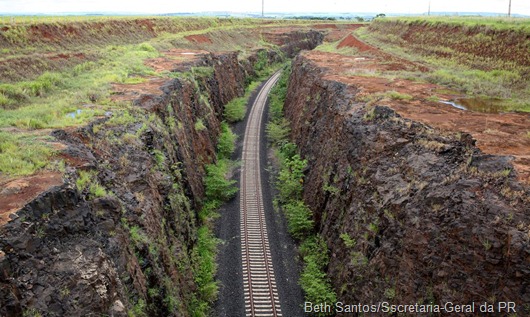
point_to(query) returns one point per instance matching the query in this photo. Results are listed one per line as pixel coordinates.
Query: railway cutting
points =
(260, 291)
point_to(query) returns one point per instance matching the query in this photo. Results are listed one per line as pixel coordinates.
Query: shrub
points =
(299, 218)
(398, 96)
(313, 279)
(4, 101)
(44, 83)
(278, 131)
(226, 144)
(147, 47)
(206, 266)
(218, 187)
(236, 109)
(290, 179)
(84, 180)
(278, 95)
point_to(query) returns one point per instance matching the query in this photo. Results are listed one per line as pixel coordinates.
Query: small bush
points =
(218, 187)
(4, 101)
(206, 266)
(137, 235)
(235, 110)
(147, 47)
(226, 144)
(88, 180)
(121, 118)
(278, 95)
(278, 131)
(96, 190)
(290, 178)
(202, 71)
(313, 279)
(299, 219)
(44, 83)
(348, 241)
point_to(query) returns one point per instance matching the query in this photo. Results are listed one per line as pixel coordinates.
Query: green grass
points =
(332, 47)
(476, 64)
(499, 23)
(88, 182)
(23, 153)
(48, 101)
(397, 95)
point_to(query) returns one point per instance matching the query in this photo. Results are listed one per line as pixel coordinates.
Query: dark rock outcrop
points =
(430, 218)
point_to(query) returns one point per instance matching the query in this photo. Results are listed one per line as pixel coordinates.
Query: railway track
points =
(261, 294)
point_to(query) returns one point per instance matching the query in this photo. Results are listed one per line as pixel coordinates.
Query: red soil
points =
(351, 41)
(325, 26)
(15, 194)
(500, 134)
(198, 38)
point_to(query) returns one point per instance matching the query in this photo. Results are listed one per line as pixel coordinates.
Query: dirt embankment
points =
(117, 235)
(31, 49)
(481, 47)
(411, 214)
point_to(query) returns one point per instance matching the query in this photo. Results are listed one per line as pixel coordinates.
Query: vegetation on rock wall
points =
(289, 182)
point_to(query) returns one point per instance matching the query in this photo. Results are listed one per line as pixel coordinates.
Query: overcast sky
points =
(165, 6)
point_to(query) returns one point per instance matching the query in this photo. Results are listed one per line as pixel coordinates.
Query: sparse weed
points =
(348, 241)
(199, 125)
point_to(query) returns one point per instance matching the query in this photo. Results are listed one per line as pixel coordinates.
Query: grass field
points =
(75, 95)
(500, 23)
(481, 57)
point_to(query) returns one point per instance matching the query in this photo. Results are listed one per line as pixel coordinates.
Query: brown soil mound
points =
(351, 41)
(325, 26)
(199, 38)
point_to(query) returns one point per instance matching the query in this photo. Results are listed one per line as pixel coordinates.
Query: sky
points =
(246, 6)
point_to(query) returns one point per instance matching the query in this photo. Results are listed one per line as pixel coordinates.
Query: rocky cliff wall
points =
(410, 214)
(117, 238)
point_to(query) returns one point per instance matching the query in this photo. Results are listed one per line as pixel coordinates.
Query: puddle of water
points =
(485, 105)
(74, 114)
(455, 105)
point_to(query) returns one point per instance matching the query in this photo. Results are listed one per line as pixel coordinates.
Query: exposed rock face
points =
(429, 217)
(76, 251)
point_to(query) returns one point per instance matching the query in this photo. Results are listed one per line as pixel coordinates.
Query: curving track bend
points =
(261, 294)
